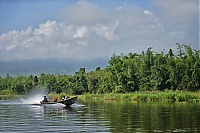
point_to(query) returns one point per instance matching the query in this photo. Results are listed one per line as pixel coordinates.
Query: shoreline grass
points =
(4, 97)
(150, 96)
(157, 96)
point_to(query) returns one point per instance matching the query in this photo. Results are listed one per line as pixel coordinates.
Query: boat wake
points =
(77, 105)
(33, 97)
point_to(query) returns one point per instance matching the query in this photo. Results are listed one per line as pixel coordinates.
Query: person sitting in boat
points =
(63, 99)
(66, 97)
(55, 99)
(45, 99)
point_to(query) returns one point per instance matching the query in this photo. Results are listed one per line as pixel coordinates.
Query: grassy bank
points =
(3, 97)
(174, 96)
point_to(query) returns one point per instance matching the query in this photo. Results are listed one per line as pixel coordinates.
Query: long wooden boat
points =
(68, 101)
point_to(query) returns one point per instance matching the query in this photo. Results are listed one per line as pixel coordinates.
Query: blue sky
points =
(89, 29)
(25, 13)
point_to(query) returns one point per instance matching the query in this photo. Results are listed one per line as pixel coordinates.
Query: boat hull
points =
(68, 101)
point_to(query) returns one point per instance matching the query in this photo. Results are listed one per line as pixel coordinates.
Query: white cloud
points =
(80, 31)
(147, 12)
(107, 31)
(89, 31)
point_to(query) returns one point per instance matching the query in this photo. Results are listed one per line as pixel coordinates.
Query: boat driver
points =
(44, 99)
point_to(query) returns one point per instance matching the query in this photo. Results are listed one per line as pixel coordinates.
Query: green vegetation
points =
(158, 96)
(145, 72)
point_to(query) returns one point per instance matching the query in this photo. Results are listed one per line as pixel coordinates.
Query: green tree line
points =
(147, 71)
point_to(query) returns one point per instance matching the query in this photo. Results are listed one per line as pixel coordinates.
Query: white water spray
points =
(34, 97)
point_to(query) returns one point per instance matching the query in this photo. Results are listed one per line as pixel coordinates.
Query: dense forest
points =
(147, 71)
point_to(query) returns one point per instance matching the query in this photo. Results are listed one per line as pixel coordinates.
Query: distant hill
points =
(51, 66)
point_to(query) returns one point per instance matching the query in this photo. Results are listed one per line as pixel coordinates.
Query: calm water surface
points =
(100, 116)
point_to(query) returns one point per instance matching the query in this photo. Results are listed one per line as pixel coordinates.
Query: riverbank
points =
(3, 97)
(150, 96)
(172, 96)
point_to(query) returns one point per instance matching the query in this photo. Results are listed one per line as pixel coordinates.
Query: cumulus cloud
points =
(90, 31)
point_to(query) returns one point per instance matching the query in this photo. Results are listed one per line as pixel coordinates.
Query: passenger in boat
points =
(66, 97)
(45, 99)
(55, 99)
(63, 99)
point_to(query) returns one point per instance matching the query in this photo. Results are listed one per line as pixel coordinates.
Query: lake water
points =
(100, 116)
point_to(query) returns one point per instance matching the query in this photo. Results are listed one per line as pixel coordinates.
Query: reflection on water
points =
(153, 117)
(100, 116)
(48, 118)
